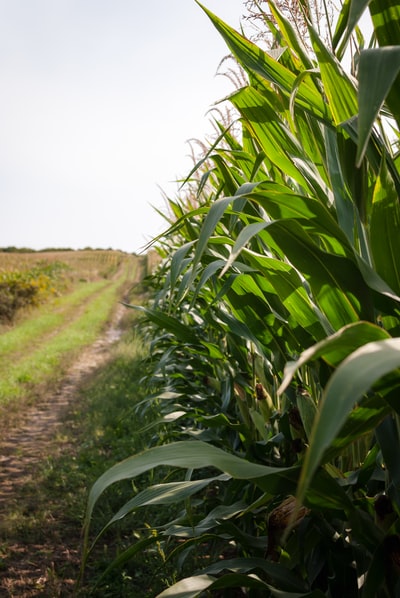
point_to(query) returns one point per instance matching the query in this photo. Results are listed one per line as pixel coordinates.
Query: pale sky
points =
(98, 99)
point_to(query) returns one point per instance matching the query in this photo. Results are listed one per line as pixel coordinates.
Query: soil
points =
(33, 569)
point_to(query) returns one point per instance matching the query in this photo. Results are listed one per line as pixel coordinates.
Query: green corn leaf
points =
(256, 61)
(280, 203)
(180, 223)
(384, 230)
(188, 454)
(308, 410)
(385, 15)
(310, 134)
(288, 287)
(185, 283)
(162, 494)
(388, 437)
(335, 348)
(166, 494)
(173, 325)
(378, 73)
(189, 587)
(317, 186)
(286, 579)
(357, 373)
(214, 215)
(336, 282)
(376, 283)
(349, 17)
(209, 271)
(171, 417)
(338, 88)
(343, 202)
(274, 137)
(127, 555)
(326, 493)
(366, 417)
(229, 179)
(375, 151)
(244, 236)
(243, 330)
(290, 35)
(177, 262)
(212, 520)
(196, 585)
(219, 420)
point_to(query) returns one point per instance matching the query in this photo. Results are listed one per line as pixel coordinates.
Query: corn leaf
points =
(196, 585)
(244, 236)
(280, 203)
(213, 217)
(339, 90)
(188, 454)
(177, 262)
(288, 287)
(384, 230)
(378, 71)
(170, 323)
(351, 380)
(388, 437)
(361, 421)
(286, 579)
(343, 202)
(336, 282)
(349, 17)
(290, 35)
(275, 139)
(162, 494)
(190, 587)
(335, 348)
(255, 60)
(385, 15)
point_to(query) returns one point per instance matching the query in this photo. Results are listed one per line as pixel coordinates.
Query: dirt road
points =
(28, 570)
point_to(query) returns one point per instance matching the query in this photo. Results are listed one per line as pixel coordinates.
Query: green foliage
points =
(28, 288)
(54, 333)
(47, 511)
(28, 279)
(275, 325)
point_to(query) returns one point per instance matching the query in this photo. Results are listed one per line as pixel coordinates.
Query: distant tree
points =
(13, 249)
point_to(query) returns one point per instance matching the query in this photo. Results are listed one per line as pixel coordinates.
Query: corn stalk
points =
(275, 327)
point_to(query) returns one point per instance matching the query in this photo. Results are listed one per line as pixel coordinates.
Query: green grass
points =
(38, 351)
(101, 428)
(45, 319)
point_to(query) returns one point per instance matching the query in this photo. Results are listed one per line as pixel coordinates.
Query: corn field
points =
(275, 329)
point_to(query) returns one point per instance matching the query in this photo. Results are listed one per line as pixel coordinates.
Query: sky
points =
(98, 101)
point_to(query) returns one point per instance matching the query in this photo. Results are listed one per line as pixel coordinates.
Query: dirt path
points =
(22, 449)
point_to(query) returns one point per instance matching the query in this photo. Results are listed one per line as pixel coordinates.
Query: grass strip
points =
(30, 332)
(48, 363)
(101, 428)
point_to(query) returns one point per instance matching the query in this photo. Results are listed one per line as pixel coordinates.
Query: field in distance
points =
(52, 304)
(29, 279)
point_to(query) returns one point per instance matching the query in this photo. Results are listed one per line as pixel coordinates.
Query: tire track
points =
(29, 442)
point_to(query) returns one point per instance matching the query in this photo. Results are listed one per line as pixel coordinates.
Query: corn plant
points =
(275, 330)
